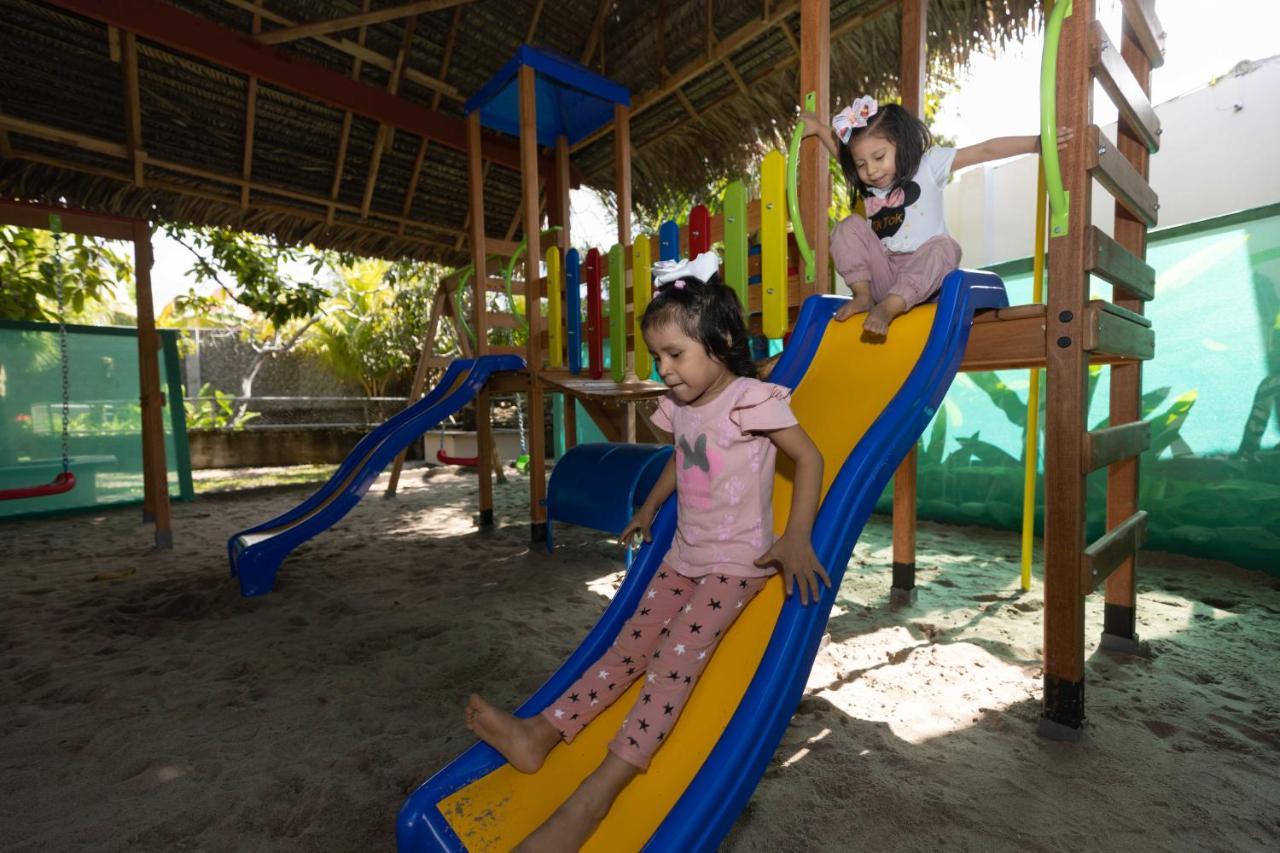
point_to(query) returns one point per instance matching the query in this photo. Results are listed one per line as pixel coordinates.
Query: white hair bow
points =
(701, 268)
(853, 116)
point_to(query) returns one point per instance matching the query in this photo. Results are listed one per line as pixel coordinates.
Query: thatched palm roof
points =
(64, 72)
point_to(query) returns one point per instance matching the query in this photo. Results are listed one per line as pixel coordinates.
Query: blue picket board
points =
(669, 241)
(573, 310)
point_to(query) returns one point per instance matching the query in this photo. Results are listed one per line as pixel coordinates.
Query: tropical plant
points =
(214, 409)
(93, 274)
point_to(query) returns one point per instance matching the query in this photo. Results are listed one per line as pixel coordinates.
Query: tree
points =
(93, 274)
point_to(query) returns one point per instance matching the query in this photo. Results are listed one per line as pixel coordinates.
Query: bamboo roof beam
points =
(344, 136)
(416, 174)
(357, 50)
(726, 46)
(596, 30)
(533, 24)
(132, 106)
(250, 113)
(687, 104)
(382, 140)
(113, 44)
(363, 19)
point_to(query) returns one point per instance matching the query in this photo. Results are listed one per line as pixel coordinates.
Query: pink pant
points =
(915, 276)
(669, 641)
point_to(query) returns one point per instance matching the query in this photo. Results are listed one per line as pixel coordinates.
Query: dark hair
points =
(710, 313)
(909, 136)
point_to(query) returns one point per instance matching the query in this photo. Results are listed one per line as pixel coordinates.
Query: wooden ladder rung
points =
(1103, 447)
(1110, 552)
(502, 320)
(503, 248)
(1110, 69)
(1115, 331)
(1147, 29)
(1116, 173)
(1108, 260)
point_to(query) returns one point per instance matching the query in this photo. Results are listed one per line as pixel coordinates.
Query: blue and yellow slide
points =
(256, 553)
(864, 404)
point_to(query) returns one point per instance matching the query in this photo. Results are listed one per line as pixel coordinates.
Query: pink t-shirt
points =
(724, 477)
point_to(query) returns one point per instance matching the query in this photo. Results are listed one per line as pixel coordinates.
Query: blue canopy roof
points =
(572, 99)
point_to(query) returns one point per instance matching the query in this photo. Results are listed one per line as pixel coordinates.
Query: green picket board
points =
(735, 240)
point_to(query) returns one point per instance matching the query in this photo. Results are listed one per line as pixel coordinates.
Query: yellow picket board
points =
(641, 291)
(773, 244)
(555, 314)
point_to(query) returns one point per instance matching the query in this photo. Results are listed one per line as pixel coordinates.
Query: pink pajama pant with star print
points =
(668, 642)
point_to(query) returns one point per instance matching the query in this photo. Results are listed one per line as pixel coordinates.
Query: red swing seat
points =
(465, 461)
(64, 482)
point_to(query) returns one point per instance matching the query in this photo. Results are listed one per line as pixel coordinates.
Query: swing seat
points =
(64, 482)
(599, 485)
(465, 461)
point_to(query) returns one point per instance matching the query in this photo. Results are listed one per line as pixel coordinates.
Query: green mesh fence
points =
(106, 418)
(1211, 480)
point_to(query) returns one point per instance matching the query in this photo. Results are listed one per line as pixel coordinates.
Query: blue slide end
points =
(255, 554)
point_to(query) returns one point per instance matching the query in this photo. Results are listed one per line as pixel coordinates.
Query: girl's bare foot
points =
(877, 323)
(574, 822)
(860, 302)
(523, 741)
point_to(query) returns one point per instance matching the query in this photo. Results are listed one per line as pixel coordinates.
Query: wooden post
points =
(480, 320)
(622, 169)
(1062, 715)
(155, 474)
(419, 377)
(1119, 627)
(533, 302)
(815, 175)
(911, 86)
(558, 214)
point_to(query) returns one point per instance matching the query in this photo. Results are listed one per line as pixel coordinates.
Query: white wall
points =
(1218, 154)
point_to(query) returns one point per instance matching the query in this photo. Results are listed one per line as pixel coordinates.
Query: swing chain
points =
(62, 350)
(520, 423)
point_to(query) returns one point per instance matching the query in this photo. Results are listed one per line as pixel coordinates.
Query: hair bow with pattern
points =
(700, 268)
(853, 116)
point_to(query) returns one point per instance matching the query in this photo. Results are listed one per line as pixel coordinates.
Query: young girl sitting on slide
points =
(727, 427)
(897, 256)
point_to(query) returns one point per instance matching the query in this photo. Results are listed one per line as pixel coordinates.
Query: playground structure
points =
(1065, 336)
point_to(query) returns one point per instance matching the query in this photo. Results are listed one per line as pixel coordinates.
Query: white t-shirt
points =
(917, 215)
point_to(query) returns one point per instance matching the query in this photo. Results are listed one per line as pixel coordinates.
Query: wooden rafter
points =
(466, 222)
(357, 50)
(737, 78)
(132, 106)
(725, 47)
(786, 62)
(209, 195)
(686, 103)
(710, 27)
(350, 22)
(791, 37)
(23, 127)
(596, 29)
(113, 44)
(344, 136)
(250, 117)
(412, 189)
(380, 142)
(533, 24)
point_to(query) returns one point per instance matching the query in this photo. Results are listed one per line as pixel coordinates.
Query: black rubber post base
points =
(1119, 621)
(538, 531)
(164, 541)
(1062, 717)
(1123, 645)
(904, 583)
(486, 519)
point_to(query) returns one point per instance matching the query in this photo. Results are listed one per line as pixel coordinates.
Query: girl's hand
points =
(799, 566)
(1065, 135)
(638, 528)
(812, 124)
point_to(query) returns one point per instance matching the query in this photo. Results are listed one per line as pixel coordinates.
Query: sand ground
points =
(145, 706)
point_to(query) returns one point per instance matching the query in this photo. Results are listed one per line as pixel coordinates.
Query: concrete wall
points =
(269, 448)
(1217, 156)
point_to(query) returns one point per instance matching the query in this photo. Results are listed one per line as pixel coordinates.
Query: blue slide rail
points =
(255, 554)
(706, 811)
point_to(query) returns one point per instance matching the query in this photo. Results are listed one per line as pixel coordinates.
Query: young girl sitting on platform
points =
(727, 427)
(897, 256)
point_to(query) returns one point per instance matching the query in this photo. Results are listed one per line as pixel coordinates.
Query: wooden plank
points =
(155, 472)
(904, 523)
(28, 214)
(382, 140)
(555, 308)
(426, 360)
(1118, 81)
(1062, 713)
(735, 239)
(1111, 261)
(502, 248)
(617, 313)
(1112, 444)
(1109, 331)
(1120, 612)
(593, 38)
(1114, 172)
(1017, 342)
(350, 22)
(642, 292)
(1148, 32)
(479, 318)
(622, 169)
(344, 135)
(503, 320)
(773, 244)
(1107, 554)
